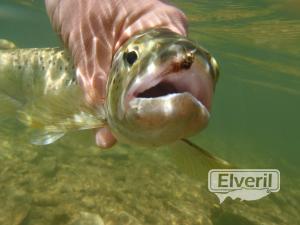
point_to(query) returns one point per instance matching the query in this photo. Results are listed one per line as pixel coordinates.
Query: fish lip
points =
(138, 100)
(181, 111)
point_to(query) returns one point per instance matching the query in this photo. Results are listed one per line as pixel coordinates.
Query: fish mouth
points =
(195, 81)
(172, 105)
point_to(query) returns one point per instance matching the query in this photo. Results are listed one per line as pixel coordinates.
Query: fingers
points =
(104, 138)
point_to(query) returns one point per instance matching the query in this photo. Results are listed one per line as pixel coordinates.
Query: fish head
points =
(160, 89)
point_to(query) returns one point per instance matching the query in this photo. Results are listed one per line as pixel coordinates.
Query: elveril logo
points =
(245, 184)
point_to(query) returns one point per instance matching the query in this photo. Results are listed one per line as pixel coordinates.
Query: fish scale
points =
(34, 72)
(41, 84)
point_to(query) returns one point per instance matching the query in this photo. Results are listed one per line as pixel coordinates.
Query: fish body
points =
(159, 90)
(34, 72)
(43, 85)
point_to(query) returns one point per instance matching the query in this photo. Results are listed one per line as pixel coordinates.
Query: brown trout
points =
(158, 93)
(159, 90)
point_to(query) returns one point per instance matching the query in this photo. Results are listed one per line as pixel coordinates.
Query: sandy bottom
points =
(75, 183)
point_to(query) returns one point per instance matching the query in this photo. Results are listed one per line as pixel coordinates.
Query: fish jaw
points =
(168, 118)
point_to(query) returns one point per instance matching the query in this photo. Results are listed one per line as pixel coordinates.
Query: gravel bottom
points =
(75, 183)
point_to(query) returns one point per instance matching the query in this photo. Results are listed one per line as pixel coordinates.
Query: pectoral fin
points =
(40, 137)
(65, 110)
(195, 161)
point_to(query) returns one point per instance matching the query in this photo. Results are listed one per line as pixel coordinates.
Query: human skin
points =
(93, 30)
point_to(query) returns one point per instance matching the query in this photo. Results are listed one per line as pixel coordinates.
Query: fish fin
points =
(194, 160)
(42, 137)
(64, 110)
(6, 44)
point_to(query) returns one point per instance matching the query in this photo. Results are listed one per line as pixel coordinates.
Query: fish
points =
(139, 82)
(153, 96)
(159, 90)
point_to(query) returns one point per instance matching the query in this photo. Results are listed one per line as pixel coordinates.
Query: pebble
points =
(88, 202)
(86, 218)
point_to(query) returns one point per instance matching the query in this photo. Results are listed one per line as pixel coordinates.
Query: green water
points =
(255, 124)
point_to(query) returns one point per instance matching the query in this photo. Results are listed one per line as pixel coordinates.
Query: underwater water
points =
(255, 124)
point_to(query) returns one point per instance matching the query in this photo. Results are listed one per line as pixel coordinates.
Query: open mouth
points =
(194, 81)
(172, 104)
(160, 90)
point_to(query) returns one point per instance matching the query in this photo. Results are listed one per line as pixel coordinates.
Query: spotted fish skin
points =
(159, 90)
(50, 102)
(28, 73)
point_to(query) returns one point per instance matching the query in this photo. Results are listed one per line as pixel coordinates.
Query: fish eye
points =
(131, 57)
